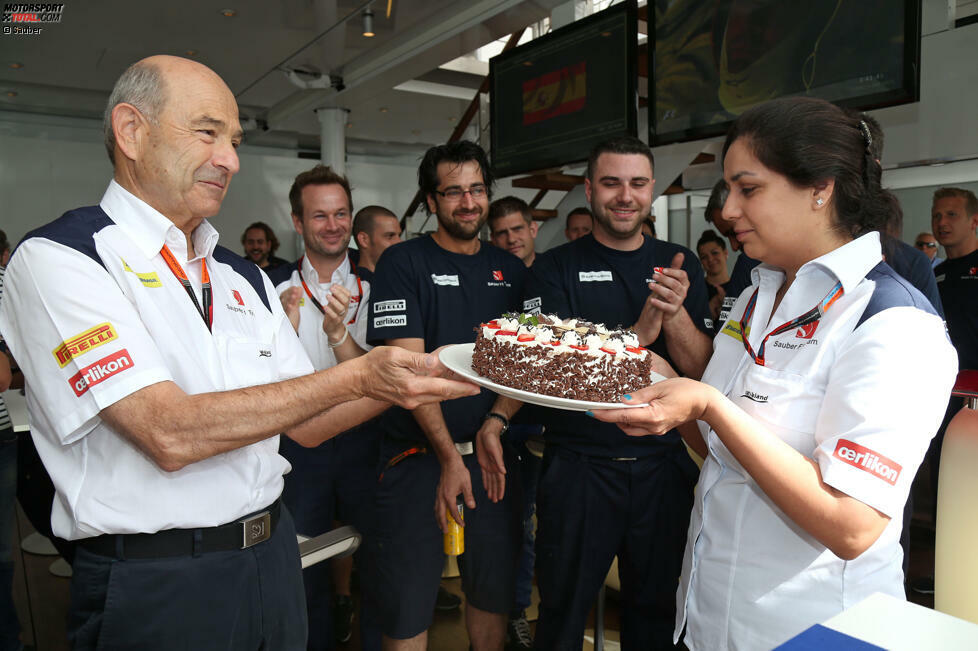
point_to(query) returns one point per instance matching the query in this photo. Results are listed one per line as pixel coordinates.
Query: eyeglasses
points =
(456, 194)
(929, 245)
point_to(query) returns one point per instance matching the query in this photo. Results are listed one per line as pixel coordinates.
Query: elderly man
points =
(158, 367)
(926, 243)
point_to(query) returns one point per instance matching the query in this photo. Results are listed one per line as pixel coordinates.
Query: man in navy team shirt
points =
(602, 493)
(428, 292)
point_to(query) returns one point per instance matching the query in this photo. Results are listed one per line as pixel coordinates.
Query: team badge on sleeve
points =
(83, 342)
(100, 371)
(868, 460)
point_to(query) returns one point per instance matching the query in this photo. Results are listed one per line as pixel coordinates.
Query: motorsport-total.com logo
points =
(22, 18)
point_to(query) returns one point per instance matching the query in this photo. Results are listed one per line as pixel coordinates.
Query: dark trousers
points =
(588, 511)
(333, 481)
(237, 600)
(9, 625)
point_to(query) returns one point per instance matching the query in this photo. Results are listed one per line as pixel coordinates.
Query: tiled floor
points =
(42, 599)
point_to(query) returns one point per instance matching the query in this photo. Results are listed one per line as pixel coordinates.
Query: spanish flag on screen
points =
(556, 93)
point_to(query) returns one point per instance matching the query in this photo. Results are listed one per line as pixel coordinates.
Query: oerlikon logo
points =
(865, 459)
(100, 371)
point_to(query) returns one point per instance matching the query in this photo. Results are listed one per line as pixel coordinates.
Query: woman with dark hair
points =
(712, 251)
(817, 407)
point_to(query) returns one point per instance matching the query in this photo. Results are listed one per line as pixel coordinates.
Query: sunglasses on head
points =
(929, 245)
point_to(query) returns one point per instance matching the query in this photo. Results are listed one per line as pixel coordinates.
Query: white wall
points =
(49, 166)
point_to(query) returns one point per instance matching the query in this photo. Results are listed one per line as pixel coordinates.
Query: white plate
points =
(458, 358)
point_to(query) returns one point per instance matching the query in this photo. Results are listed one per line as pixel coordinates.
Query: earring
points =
(819, 201)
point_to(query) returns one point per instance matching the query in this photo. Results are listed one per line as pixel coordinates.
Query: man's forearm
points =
(432, 423)
(688, 347)
(175, 428)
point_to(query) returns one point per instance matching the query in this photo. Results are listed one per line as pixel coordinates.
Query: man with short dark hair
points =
(374, 228)
(926, 243)
(511, 228)
(954, 219)
(602, 493)
(579, 223)
(158, 381)
(260, 245)
(428, 292)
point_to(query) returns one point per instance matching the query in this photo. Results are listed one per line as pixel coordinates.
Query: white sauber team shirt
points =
(861, 391)
(92, 314)
(311, 333)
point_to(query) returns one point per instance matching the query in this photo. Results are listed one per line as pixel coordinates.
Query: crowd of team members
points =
(779, 472)
(602, 494)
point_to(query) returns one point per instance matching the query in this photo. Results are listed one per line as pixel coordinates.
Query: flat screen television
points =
(712, 60)
(557, 96)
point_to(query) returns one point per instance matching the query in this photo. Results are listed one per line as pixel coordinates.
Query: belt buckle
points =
(256, 529)
(465, 448)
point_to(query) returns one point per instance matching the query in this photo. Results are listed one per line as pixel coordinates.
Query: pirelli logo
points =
(390, 306)
(84, 342)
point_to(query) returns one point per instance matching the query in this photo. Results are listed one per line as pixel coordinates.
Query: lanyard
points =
(207, 312)
(810, 316)
(319, 306)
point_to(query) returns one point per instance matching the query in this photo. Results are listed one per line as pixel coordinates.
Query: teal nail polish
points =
(628, 396)
(590, 413)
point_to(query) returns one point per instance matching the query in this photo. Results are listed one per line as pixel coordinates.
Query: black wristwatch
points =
(500, 418)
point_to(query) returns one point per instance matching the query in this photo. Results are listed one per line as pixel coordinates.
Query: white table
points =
(899, 625)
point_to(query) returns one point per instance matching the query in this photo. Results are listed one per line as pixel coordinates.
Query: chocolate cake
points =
(563, 358)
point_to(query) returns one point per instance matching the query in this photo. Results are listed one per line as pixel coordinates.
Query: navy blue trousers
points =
(234, 600)
(588, 511)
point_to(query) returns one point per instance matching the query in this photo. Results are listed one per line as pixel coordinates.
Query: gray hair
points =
(141, 85)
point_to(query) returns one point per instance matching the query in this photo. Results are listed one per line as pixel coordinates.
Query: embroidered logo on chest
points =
(594, 276)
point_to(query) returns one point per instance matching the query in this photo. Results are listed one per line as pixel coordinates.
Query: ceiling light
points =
(229, 13)
(383, 109)
(11, 93)
(368, 23)
(190, 53)
(16, 65)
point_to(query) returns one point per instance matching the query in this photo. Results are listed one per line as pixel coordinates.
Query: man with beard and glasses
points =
(602, 493)
(326, 300)
(428, 292)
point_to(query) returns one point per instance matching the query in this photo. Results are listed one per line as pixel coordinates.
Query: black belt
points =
(241, 534)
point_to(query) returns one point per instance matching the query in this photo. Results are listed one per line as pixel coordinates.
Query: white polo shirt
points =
(92, 313)
(861, 391)
(311, 334)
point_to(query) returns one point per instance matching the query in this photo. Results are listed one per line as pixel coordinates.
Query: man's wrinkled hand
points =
(395, 375)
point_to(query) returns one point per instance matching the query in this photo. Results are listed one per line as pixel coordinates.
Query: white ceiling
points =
(69, 68)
